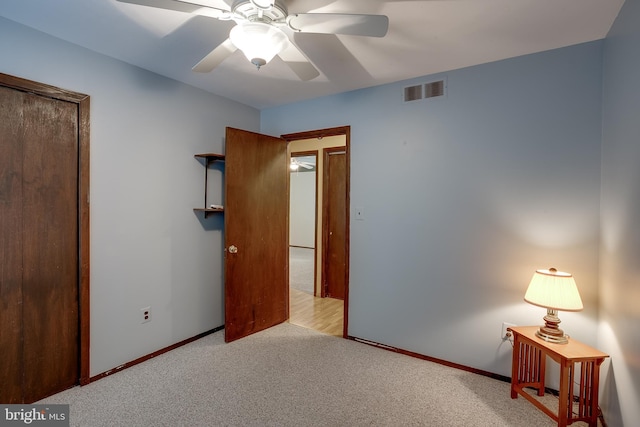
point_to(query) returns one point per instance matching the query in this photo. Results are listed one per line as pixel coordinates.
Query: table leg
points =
(595, 381)
(515, 364)
(564, 400)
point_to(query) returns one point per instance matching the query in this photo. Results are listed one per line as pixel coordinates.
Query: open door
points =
(256, 233)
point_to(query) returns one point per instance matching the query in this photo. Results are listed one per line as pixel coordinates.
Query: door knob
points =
(233, 249)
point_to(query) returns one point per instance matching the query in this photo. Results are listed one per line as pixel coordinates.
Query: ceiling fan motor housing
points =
(252, 12)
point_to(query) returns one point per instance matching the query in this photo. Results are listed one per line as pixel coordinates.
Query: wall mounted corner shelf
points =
(209, 158)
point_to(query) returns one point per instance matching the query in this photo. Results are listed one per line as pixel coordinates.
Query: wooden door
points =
(256, 233)
(335, 224)
(11, 366)
(40, 241)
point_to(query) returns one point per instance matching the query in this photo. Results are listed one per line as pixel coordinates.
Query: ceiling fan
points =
(297, 164)
(264, 29)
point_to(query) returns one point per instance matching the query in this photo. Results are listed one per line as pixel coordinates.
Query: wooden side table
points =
(528, 370)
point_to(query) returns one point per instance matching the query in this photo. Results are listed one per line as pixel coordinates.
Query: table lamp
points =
(554, 290)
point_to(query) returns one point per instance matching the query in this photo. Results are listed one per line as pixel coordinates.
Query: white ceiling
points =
(425, 37)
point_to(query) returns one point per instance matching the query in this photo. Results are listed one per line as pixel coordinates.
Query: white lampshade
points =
(259, 41)
(555, 290)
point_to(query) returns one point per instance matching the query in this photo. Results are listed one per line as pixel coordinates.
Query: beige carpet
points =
(292, 376)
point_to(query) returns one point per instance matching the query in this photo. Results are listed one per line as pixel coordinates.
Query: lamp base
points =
(550, 332)
(552, 338)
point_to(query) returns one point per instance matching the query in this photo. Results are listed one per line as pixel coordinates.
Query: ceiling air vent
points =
(434, 89)
(412, 93)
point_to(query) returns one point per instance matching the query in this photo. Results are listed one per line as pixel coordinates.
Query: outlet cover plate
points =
(505, 325)
(145, 314)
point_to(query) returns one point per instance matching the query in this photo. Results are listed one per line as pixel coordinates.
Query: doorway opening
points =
(303, 221)
(314, 270)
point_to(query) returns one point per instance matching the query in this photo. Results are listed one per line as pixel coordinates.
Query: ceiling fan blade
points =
(299, 64)
(181, 6)
(340, 23)
(306, 165)
(215, 57)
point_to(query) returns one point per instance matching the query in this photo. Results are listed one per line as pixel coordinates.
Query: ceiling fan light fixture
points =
(259, 41)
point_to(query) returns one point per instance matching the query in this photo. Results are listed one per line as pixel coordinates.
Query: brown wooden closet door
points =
(335, 229)
(44, 243)
(10, 251)
(50, 263)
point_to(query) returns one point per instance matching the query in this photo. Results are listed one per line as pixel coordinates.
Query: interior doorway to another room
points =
(302, 221)
(311, 305)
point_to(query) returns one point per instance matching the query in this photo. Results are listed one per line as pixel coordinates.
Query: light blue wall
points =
(619, 334)
(148, 248)
(464, 197)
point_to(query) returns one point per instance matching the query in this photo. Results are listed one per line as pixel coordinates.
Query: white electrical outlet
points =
(506, 334)
(145, 314)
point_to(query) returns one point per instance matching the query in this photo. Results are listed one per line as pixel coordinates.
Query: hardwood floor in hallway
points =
(321, 314)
